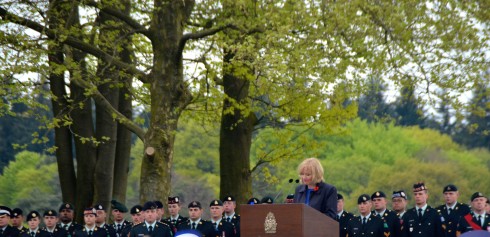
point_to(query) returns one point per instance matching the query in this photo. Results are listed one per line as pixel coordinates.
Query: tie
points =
(1, 231)
(364, 220)
(33, 234)
(420, 212)
(228, 219)
(90, 232)
(449, 211)
(215, 226)
(65, 227)
(118, 227)
(150, 229)
(479, 220)
(193, 225)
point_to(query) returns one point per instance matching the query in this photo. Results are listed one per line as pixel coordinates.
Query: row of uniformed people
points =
(147, 220)
(448, 220)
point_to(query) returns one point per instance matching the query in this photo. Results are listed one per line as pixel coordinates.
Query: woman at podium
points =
(313, 191)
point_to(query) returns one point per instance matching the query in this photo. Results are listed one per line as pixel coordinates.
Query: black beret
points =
(420, 186)
(50, 213)
(90, 211)
(159, 204)
(119, 206)
(400, 193)
(339, 196)
(32, 214)
(378, 194)
(4, 210)
(99, 207)
(173, 200)
(450, 188)
(229, 198)
(149, 205)
(65, 205)
(267, 200)
(363, 198)
(253, 201)
(290, 196)
(136, 209)
(16, 212)
(194, 204)
(215, 203)
(476, 195)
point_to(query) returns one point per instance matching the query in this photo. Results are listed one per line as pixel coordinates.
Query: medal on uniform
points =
(410, 229)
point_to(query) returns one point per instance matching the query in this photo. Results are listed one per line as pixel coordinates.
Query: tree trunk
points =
(235, 135)
(123, 145)
(169, 96)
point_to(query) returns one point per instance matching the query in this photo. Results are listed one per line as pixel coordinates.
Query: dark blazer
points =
(429, 226)
(57, 232)
(391, 219)
(373, 227)
(226, 229)
(324, 199)
(204, 227)
(176, 222)
(161, 230)
(464, 226)
(72, 228)
(235, 220)
(10, 232)
(111, 232)
(343, 221)
(98, 232)
(39, 233)
(451, 221)
(121, 227)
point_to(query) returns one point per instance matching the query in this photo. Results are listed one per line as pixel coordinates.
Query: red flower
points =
(316, 188)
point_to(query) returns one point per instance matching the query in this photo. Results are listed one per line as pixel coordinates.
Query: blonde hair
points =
(314, 165)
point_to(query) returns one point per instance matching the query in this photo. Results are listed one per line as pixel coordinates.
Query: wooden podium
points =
(281, 220)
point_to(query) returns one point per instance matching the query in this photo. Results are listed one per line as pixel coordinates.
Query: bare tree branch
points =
(75, 43)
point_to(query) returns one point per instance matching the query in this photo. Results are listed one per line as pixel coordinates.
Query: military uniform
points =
(452, 218)
(36, 233)
(70, 228)
(343, 220)
(96, 232)
(224, 229)
(430, 225)
(160, 230)
(9, 231)
(111, 232)
(374, 227)
(119, 227)
(177, 221)
(204, 227)
(235, 220)
(470, 222)
(392, 221)
(57, 232)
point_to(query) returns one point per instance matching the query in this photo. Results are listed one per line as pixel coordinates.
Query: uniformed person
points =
(160, 210)
(229, 215)
(389, 217)
(343, 216)
(399, 203)
(17, 219)
(366, 224)
(452, 211)
(422, 220)
(478, 218)
(174, 206)
(289, 198)
(100, 220)
(5, 229)
(150, 226)
(118, 211)
(221, 227)
(90, 229)
(50, 218)
(136, 218)
(66, 212)
(33, 220)
(196, 222)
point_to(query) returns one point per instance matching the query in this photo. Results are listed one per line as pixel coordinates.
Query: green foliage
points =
(368, 157)
(30, 182)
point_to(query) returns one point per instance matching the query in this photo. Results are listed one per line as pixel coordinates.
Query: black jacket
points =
(343, 221)
(324, 199)
(373, 227)
(429, 226)
(161, 230)
(451, 221)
